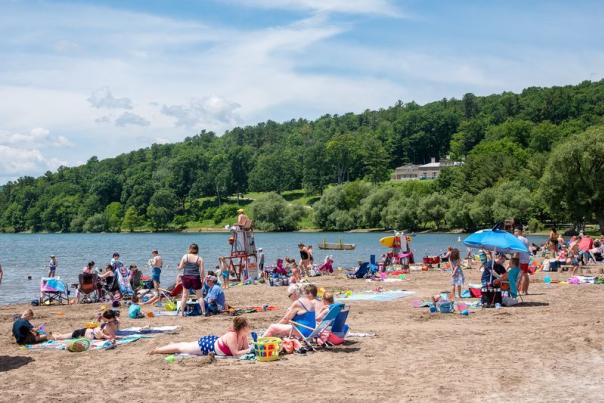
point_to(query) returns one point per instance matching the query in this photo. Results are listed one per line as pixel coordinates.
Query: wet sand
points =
(547, 349)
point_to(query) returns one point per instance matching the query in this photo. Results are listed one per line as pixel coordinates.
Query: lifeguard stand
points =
(243, 252)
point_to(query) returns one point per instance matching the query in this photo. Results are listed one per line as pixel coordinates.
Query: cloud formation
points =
(102, 98)
(206, 110)
(379, 7)
(39, 137)
(129, 118)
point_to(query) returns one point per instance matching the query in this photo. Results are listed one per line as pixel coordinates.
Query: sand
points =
(547, 349)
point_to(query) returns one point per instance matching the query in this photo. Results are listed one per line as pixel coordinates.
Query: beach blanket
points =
(94, 344)
(148, 330)
(386, 280)
(375, 296)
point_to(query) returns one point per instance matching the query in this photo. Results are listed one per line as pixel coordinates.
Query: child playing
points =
(134, 311)
(25, 332)
(223, 271)
(457, 278)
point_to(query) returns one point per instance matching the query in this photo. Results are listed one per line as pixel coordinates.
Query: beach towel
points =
(148, 330)
(94, 344)
(375, 296)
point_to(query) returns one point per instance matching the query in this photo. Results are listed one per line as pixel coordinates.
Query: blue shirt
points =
(216, 296)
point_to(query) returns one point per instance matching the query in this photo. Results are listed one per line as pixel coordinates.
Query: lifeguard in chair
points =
(243, 235)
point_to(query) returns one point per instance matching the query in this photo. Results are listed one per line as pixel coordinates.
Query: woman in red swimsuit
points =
(234, 342)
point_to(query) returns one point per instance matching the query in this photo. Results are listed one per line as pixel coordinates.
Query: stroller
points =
(52, 289)
(122, 274)
(88, 288)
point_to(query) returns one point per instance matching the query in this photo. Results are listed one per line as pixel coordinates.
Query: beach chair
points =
(361, 272)
(325, 324)
(373, 266)
(52, 289)
(339, 327)
(87, 288)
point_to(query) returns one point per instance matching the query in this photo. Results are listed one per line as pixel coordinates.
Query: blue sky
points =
(83, 78)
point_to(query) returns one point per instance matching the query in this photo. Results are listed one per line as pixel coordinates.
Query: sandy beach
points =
(547, 349)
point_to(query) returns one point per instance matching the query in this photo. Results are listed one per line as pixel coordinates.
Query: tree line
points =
(520, 153)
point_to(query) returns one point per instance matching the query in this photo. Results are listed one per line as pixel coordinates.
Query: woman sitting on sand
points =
(233, 343)
(302, 311)
(107, 330)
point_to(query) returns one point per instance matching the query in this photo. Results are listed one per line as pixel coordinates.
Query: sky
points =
(103, 77)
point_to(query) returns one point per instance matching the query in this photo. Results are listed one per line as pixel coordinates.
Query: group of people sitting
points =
(495, 274)
(580, 250)
(26, 333)
(305, 311)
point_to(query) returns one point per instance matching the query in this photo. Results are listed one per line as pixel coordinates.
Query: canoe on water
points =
(336, 246)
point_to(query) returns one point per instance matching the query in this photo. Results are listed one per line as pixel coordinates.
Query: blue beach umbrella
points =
(495, 240)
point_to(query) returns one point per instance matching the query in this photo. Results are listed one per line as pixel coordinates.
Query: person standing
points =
(52, 266)
(457, 277)
(116, 262)
(524, 259)
(1, 273)
(193, 272)
(156, 266)
(260, 263)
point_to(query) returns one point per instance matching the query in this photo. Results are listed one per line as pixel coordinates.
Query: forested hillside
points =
(505, 140)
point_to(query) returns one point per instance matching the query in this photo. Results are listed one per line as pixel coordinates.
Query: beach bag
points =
(490, 295)
(193, 309)
(475, 292)
(509, 301)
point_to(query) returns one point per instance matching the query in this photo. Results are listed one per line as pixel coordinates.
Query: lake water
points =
(23, 255)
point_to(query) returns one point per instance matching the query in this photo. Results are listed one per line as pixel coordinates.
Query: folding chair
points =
(325, 324)
(88, 288)
(52, 289)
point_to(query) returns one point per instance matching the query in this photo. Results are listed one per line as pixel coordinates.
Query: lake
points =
(23, 255)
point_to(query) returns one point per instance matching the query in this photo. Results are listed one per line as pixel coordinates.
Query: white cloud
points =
(379, 7)
(16, 162)
(102, 98)
(129, 118)
(38, 137)
(207, 110)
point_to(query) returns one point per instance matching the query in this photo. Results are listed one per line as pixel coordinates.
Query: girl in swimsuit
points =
(106, 331)
(302, 311)
(234, 343)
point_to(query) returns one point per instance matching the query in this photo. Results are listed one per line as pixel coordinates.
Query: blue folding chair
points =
(325, 324)
(339, 327)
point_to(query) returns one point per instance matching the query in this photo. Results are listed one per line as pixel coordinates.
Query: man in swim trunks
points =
(156, 266)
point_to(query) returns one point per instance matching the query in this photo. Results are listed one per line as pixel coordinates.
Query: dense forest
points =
(537, 156)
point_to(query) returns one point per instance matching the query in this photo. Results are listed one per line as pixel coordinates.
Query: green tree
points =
(571, 183)
(162, 209)
(271, 212)
(113, 211)
(132, 219)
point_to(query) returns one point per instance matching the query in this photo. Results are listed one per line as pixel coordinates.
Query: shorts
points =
(524, 267)
(27, 339)
(206, 344)
(458, 280)
(78, 333)
(191, 282)
(155, 274)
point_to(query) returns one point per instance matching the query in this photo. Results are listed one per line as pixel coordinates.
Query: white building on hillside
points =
(430, 170)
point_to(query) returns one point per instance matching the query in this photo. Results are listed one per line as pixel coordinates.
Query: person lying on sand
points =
(25, 332)
(234, 343)
(302, 311)
(107, 330)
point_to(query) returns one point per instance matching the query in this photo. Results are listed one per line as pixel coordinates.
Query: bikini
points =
(214, 344)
